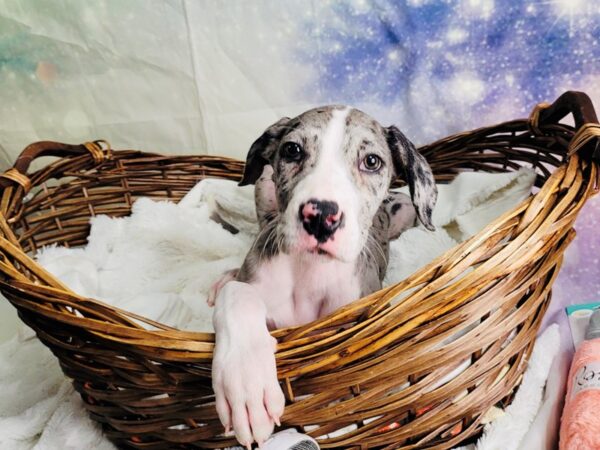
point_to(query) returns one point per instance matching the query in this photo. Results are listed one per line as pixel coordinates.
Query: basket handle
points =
(19, 171)
(571, 102)
(587, 131)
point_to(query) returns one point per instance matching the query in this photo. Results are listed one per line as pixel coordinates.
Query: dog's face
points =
(332, 168)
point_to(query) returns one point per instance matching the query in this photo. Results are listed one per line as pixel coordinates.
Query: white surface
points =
(172, 76)
(104, 71)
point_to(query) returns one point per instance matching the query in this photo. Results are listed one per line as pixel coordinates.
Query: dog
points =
(326, 216)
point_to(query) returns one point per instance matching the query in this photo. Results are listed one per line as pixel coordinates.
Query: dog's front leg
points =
(247, 392)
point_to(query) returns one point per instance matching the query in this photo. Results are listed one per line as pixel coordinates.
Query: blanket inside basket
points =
(161, 261)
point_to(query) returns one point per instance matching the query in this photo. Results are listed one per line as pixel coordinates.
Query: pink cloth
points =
(580, 423)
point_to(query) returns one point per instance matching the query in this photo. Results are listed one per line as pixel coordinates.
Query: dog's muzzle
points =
(320, 218)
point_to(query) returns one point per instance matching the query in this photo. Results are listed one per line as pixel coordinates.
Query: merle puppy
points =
(326, 217)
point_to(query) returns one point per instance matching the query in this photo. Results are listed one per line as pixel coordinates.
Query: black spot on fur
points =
(428, 211)
(364, 144)
(396, 207)
(421, 174)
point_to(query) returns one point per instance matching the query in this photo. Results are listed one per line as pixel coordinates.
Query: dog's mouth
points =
(312, 249)
(301, 243)
(321, 251)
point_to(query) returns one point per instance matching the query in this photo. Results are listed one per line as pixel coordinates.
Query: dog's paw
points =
(216, 287)
(247, 392)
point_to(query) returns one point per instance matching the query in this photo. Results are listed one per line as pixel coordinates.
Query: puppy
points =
(326, 216)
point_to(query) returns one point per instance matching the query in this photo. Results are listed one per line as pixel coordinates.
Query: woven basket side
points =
(71, 190)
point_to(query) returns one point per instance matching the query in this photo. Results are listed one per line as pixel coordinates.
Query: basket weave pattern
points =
(370, 364)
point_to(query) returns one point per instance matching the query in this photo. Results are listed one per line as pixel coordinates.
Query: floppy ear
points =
(415, 170)
(262, 150)
(265, 197)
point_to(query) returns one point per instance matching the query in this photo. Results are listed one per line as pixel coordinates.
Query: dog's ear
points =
(265, 198)
(415, 170)
(262, 150)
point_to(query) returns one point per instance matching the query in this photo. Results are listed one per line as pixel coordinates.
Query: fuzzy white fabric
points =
(40, 409)
(160, 263)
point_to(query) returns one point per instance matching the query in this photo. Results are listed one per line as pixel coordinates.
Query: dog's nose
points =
(320, 218)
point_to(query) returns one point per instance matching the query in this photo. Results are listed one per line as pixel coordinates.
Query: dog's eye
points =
(371, 163)
(291, 151)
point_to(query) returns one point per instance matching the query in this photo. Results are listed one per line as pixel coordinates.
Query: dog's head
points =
(332, 168)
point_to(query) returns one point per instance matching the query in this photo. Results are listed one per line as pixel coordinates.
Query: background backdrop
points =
(208, 76)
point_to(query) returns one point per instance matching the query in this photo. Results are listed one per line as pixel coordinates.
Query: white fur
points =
(244, 377)
(160, 262)
(314, 285)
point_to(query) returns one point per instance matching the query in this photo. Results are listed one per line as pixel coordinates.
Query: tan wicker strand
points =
(19, 178)
(534, 117)
(373, 368)
(95, 150)
(584, 135)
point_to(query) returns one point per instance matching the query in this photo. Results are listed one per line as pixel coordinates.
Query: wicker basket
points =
(370, 366)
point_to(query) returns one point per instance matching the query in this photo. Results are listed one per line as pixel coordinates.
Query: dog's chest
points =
(297, 291)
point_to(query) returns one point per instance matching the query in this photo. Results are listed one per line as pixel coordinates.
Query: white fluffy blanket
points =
(161, 261)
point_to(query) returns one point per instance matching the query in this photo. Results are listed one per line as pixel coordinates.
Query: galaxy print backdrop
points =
(208, 76)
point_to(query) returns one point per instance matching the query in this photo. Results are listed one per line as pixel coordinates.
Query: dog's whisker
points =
(261, 243)
(366, 253)
(378, 248)
(280, 242)
(268, 241)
